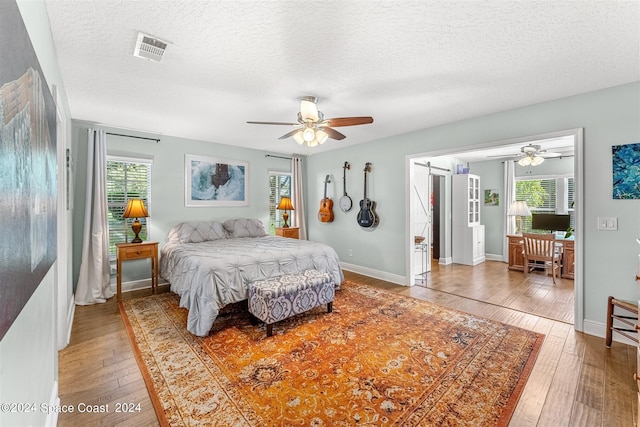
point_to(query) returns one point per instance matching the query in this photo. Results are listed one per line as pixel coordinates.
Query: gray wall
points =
(167, 207)
(609, 117)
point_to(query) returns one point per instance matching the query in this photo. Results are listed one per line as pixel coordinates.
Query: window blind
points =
(127, 178)
(279, 185)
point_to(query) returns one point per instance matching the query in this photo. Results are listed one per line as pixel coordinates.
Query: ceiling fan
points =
(531, 155)
(312, 128)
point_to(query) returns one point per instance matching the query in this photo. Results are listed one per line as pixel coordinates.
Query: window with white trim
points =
(546, 195)
(279, 185)
(127, 178)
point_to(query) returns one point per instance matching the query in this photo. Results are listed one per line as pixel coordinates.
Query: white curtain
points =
(509, 197)
(93, 282)
(298, 197)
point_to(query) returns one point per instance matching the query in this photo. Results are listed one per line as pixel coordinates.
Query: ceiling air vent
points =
(149, 47)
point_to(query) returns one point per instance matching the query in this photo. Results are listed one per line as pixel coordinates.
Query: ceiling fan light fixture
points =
(321, 136)
(308, 134)
(525, 161)
(298, 138)
(535, 161)
(312, 143)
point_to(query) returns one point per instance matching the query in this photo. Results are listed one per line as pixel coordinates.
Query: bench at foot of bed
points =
(277, 298)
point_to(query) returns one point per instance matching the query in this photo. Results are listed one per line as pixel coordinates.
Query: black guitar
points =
(367, 217)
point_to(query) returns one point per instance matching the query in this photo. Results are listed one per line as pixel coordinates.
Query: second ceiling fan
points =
(312, 128)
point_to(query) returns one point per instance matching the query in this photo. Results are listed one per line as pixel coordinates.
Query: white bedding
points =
(211, 274)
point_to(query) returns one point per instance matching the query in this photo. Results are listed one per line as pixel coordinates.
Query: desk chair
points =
(541, 249)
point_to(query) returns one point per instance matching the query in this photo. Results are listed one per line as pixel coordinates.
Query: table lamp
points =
(135, 209)
(519, 209)
(285, 205)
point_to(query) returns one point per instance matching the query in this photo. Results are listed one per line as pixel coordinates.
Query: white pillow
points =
(196, 232)
(243, 227)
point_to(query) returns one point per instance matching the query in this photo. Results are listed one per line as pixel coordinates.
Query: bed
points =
(210, 264)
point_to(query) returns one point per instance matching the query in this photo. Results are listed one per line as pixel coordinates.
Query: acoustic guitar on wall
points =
(325, 214)
(367, 216)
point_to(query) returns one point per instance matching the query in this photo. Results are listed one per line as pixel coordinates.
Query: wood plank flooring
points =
(576, 380)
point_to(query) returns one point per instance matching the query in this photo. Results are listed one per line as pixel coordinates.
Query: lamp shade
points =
(519, 208)
(285, 204)
(135, 209)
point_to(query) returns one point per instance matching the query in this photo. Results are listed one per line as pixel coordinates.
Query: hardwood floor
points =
(576, 380)
(493, 283)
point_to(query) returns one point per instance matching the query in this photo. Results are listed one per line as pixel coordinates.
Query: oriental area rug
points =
(378, 359)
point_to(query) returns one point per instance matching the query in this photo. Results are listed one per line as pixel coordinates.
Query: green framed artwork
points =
(491, 197)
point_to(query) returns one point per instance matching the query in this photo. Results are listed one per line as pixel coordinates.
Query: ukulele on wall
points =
(345, 202)
(367, 216)
(325, 214)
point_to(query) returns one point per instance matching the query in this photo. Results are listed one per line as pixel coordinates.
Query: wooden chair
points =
(631, 308)
(540, 250)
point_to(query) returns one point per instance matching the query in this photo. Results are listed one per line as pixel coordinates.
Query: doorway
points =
(498, 231)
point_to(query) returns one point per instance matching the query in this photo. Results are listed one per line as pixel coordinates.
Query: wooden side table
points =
(290, 232)
(131, 251)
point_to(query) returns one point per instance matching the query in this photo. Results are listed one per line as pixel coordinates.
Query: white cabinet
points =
(467, 232)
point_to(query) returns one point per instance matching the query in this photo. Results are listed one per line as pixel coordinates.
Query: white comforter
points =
(209, 275)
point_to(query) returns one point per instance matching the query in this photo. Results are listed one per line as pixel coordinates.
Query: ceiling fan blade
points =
(549, 155)
(348, 121)
(333, 134)
(309, 109)
(274, 123)
(289, 134)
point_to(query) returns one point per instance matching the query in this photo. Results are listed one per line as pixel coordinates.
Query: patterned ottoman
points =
(278, 298)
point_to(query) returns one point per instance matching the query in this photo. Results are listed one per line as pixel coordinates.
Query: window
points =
(279, 185)
(546, 195)
(127, 178)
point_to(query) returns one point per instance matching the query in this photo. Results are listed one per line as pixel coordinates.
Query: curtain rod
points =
(278, 157)
(137, 137)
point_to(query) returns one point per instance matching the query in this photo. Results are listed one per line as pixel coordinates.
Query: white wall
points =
(28, 351)
(609, 117)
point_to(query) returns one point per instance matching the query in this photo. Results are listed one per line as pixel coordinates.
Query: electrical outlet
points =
(350, 252)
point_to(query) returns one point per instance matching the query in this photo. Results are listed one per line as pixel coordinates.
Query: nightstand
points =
(290, 232)
(131, 251)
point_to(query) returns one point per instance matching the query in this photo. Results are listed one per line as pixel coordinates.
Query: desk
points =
(131, 251)
(516, 258)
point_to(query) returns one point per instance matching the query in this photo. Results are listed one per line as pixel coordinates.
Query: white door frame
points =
(63, 283)
(578, 173)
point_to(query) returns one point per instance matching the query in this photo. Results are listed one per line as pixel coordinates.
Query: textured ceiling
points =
(410, 65)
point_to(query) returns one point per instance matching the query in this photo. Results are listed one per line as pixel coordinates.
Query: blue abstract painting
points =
(626, 171)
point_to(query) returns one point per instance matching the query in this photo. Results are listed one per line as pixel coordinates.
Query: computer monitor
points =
(550, 222)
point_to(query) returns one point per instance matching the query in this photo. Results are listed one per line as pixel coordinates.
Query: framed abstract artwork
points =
(626, 171)
(214, 182)
(28, 231)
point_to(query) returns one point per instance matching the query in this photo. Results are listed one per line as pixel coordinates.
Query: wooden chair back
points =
(539, 247)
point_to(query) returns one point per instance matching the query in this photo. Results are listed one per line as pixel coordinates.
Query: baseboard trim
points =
(376, 274)
(54, 402)
(445, 261)
(600, 330)
(70, 314)
(135, 285)
(493, 257)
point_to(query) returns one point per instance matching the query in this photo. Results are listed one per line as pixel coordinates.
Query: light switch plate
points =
(607, 223)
